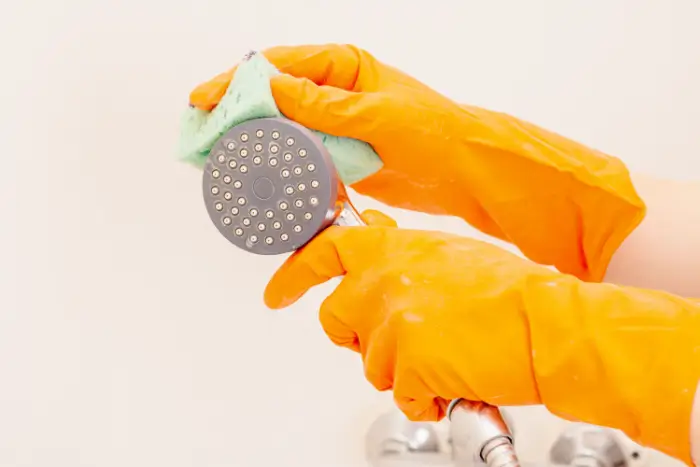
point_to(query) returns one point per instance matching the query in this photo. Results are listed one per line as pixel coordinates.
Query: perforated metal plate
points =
(270, 186)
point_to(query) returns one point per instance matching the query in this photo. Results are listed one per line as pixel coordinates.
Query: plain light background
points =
(131, 333)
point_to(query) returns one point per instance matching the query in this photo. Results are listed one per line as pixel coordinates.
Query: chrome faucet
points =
(475, 434)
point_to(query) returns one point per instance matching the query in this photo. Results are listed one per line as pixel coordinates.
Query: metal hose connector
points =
(480, 435)
(500, 452)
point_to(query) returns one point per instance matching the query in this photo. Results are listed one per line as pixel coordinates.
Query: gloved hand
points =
(561, 203)
(437, 317)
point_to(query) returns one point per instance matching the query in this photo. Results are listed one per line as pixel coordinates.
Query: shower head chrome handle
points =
(349, 217)
(346, 214)
(480, 435)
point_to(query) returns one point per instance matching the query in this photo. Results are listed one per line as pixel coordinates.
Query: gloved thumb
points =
(207, 95)
(324, 108)
(372, 217)
(330, 254)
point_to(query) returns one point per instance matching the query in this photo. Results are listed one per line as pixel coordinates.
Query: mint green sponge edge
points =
(248, 97)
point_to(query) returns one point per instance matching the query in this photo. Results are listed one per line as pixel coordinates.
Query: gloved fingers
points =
(351, 319)
(331, 317)
(380, 357)
(333, 65)
(413, 398)
(326, 108)
(332, 253)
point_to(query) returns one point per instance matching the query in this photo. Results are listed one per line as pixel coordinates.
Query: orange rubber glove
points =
(561, 203)
(437, 317)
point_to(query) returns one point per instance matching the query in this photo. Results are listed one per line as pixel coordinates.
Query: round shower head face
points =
(270, 186)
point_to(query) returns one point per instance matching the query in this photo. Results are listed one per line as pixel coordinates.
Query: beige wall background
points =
(131, 333)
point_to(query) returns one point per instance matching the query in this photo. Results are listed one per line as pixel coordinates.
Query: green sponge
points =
(249, 96)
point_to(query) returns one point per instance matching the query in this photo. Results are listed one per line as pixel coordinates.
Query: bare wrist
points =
(663, 252)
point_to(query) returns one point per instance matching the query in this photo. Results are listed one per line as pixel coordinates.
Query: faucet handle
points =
(394, 441)
(583, 445)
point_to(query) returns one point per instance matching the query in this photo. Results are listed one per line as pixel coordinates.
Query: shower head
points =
(270, 186)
